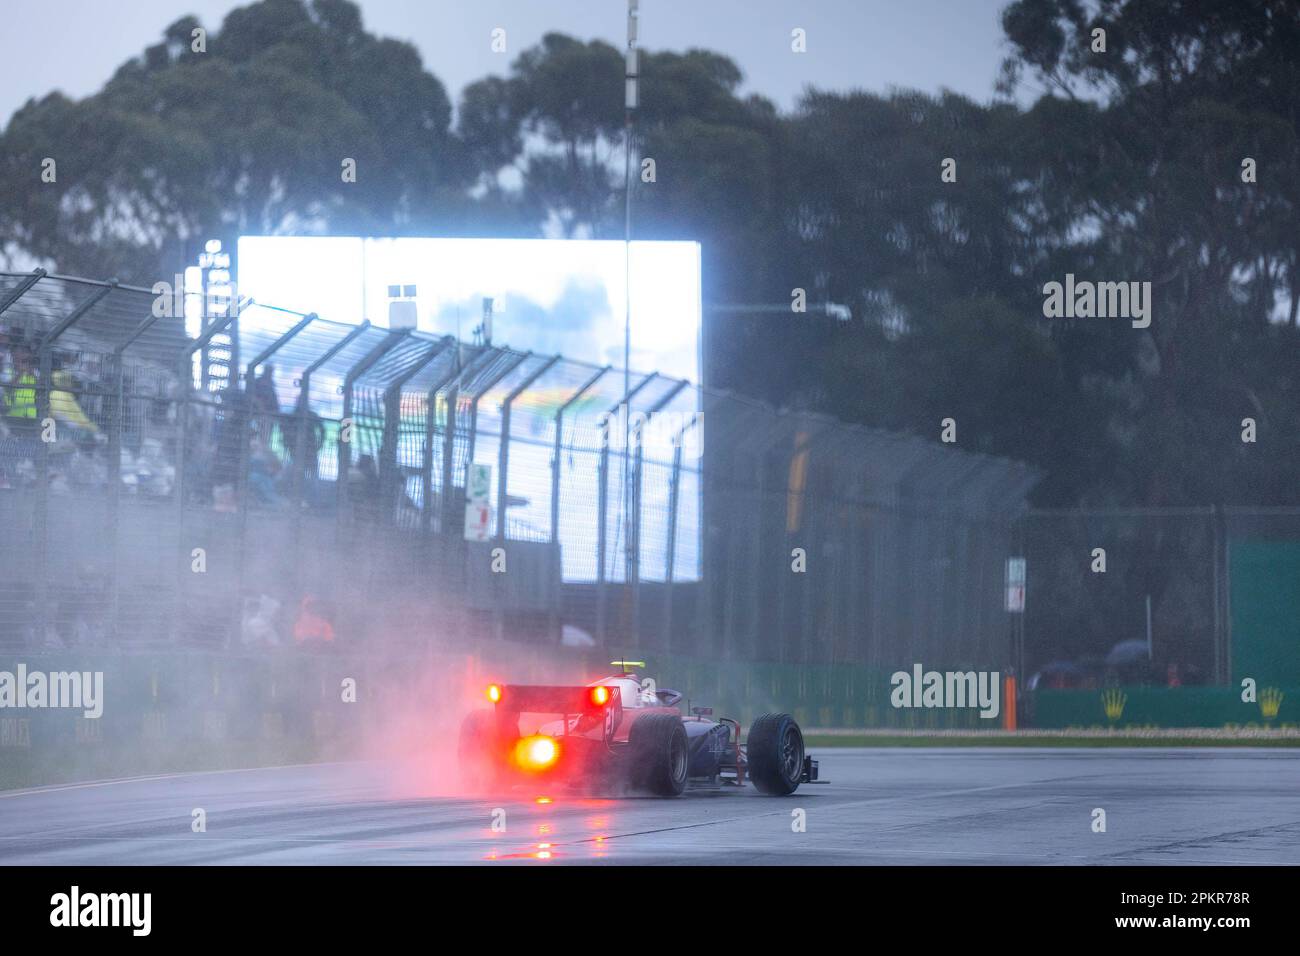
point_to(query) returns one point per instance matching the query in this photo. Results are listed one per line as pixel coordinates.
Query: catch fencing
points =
(270, 477)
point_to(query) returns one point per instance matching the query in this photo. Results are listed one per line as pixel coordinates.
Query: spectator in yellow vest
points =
(20, 395)
(64, 406)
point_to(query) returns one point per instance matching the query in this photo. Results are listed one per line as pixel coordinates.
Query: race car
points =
(622, 733)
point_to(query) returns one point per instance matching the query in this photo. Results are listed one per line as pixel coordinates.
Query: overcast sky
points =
(75, 45)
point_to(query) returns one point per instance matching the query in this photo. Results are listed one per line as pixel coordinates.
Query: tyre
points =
(481, 750)
(659, 752)
(775, 754)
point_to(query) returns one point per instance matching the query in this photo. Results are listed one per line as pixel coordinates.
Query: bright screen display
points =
(559, 296)
(550, 297)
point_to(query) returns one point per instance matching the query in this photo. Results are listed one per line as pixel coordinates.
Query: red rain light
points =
(537, 753)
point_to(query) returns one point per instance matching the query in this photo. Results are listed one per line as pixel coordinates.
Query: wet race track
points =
(883, 806)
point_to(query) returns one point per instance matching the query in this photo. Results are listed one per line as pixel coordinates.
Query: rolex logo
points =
(1113, 701)
(1270, 701)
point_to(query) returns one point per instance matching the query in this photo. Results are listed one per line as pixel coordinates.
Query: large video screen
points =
(560, 296)
(550, 297)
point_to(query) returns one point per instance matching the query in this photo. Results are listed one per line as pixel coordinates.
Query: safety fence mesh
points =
(265, 476)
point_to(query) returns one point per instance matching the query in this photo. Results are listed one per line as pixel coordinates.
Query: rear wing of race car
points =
(601, 702)
(553, 698)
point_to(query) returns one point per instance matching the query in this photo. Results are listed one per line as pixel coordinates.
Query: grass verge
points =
(813, 739)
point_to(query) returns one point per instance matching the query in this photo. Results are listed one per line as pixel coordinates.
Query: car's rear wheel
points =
(660, 755)
(775, 754)
(481, 750)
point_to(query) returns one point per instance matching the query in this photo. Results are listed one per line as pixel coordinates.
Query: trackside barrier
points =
(1141, 707)
(844, 696)
(186, 710)
(174, 712)
(171, 711)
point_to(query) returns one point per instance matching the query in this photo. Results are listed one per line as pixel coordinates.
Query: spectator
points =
(266, 402)
(257, 625)
(364, 488)
(64, 406)
(20, 428)
(20, 396)
(263, 466)
(6, 356)
(312, 629)
(232, 435)
(304, 427)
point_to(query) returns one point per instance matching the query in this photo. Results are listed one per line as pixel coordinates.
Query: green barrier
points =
(1265, 611)
(848, 696)
(191, 710)
(826, 695)
(1142, 707)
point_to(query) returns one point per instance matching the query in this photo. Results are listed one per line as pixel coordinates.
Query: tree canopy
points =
(1131, 166)
(246, 136)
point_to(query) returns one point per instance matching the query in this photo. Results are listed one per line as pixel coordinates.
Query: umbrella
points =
(1127, 652)
(1060, 667)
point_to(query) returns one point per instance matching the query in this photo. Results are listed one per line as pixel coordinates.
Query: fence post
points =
(360, 368)
(1018, 619)
(430, 429)
(303, 413)
(498, 619)
(633, 535)
(388, 466)
(115, 428)
(559, 449)
(503, 463)
(304, 409)
(241, 479)
(115, 425)
(186, 383)
(448, 457)
(479, 393)
(556, 624)
(44, 390)
(503, 453)
(21, 289)
(250, 371)
(602, 499)
(483, 360)
(426, 461)
(670, 554)
(1217, 541)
